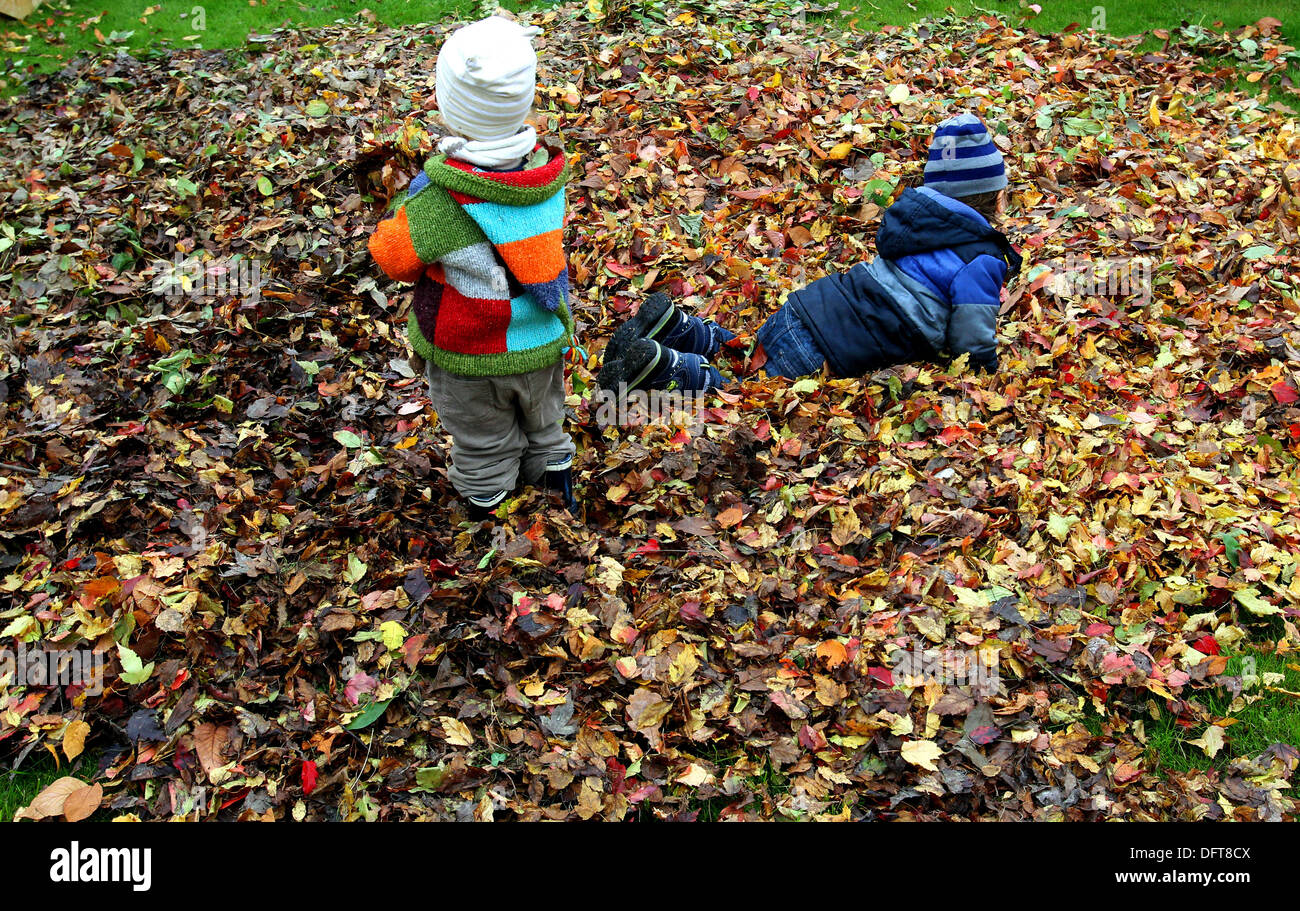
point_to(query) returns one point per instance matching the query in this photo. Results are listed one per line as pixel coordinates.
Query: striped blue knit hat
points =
(963, 159)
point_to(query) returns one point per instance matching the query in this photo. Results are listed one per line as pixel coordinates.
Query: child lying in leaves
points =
(936, 286)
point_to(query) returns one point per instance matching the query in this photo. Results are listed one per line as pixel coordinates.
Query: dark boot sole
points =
(629, 372)
(654, 315)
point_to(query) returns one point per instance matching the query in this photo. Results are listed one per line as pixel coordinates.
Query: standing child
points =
(935, 287)
(480, 232)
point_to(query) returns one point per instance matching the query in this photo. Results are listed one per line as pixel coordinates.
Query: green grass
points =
(18, 789)
(1273, 718)
(1134, 17)
(63, 28)
(1130, 18)
(767, 782)
(46, 45)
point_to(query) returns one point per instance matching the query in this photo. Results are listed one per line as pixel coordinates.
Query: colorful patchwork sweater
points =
(486, 251)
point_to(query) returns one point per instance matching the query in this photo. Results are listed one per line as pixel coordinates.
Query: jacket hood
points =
(526, 187)
(920, 223)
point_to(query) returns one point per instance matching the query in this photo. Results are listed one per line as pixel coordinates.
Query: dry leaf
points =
(210, 743)
(50, 801)
(82, 803)
(74, 738)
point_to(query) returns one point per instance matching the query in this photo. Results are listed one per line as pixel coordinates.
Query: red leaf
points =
(309, 776)
(984, 735)
(236, 798)
(811, 738)
(439, 568)
(952, 434)
(618, 268)
(1283, 392)
(881, 675)
(1207, 645)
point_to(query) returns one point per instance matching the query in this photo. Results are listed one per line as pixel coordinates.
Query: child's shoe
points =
(482, 508)
(559, 479)
(659, 320)
(646, 364)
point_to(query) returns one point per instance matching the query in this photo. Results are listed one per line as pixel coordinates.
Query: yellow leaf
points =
(694, 776)
(611, 574)
(684, 665)
(841, 151)
(1211, 741)
(645, 710)
(393, 634)
(846, 528)
(922, 753)
(74, 738)
(1249, 598)
(455, 732)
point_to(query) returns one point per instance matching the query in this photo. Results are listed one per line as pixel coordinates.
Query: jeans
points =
(791, 350)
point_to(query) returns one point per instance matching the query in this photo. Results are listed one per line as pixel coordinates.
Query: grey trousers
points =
(504, 429)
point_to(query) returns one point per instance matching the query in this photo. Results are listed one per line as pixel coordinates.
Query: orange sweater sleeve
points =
(392, 249)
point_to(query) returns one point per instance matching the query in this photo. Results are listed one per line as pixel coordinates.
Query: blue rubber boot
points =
(648, 365)
(660, 321)
(559, 480)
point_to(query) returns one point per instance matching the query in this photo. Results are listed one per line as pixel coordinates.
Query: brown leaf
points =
(645, 710)
(210, 743)
(83, 802)
(731, 516)
(51, 800)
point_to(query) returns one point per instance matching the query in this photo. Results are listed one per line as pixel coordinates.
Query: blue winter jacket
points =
(935, 287)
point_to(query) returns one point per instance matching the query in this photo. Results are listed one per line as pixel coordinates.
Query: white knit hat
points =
(487, 77)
